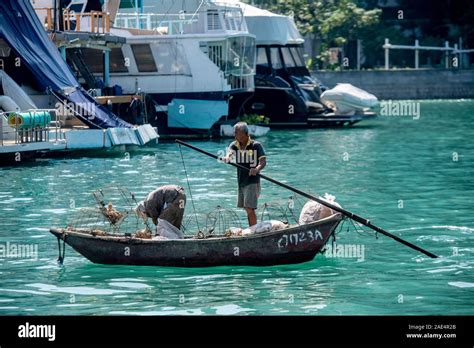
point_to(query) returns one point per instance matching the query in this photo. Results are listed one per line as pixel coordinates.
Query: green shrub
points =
(254, 119)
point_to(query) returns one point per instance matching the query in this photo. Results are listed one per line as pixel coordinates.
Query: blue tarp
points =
(21, 28)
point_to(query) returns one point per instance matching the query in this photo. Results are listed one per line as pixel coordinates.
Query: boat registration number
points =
(295, 238)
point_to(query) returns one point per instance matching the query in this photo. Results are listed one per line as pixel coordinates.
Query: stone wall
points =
(406, 84)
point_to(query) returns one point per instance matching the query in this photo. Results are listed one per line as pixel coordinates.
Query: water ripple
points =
(76, 290)
(399, 173)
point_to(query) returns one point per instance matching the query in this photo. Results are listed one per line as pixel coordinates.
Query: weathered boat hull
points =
(292, 245)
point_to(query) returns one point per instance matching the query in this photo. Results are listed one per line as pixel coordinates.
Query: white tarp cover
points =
(146, 133)
(122, 136)
(346, 98)
(11, 89)
(270, 28)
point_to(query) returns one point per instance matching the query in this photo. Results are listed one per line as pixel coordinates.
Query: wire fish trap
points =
(221, 221)
(287, 212)
(274, 211)
(114, 213)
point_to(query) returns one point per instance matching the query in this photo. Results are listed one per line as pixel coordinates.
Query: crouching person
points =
(165, 203)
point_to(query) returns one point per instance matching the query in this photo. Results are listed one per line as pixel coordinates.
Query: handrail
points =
(154, 21)
(49, 17)
(387, 46)
(99, 21)
(181, 16)
(30, 134)
(462, 51)
(418, 47)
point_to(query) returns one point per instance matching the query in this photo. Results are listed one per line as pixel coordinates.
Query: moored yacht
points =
(285, 91)
(186, 61)
(39, 94)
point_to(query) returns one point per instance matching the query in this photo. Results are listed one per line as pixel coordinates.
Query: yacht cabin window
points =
(171, 59)
(213, 20)
(94, 59)
(144, 58)
(287, 57)
(275, 58)
(262, 58)
(296, 52)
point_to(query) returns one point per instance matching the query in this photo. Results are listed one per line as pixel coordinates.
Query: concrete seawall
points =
(406, 84)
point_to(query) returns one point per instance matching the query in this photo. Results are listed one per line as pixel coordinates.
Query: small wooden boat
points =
(294, 244)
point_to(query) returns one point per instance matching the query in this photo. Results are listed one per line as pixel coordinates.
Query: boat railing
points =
(94, 21)
(164, 24)
(46, 14)
(29, 126)
(227, 4)
(210, 21)
(232, 15)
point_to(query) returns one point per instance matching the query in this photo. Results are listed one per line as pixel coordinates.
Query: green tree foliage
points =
(330, 22)
(431, 22)
(338, 23)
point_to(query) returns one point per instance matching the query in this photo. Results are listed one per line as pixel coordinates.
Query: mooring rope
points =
(189, 187)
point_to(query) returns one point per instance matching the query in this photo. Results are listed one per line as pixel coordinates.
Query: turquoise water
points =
(411, 177)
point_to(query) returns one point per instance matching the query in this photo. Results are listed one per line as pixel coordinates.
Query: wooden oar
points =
(347, 213)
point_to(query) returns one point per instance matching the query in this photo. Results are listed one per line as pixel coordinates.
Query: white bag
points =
(264, 226)
(314, 211)
(167, 230)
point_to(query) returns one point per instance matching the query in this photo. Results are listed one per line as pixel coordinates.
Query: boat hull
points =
(201, 110)
(292, 245)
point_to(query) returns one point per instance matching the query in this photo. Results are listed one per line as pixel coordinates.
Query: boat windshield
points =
(262, 58)
(275, 57)
(292, 57)
(281, 57)
(288, 57)
(234, 56)
(241, 61)
(297, 53)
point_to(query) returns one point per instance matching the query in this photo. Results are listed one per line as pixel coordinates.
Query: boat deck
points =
(332, 120)
(73, 139)
(10, 146)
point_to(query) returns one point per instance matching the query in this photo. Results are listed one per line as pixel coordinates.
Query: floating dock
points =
(21, 144)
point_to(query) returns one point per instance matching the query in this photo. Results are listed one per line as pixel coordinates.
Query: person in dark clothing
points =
(135, 110)
(250, 154)
(166, 203)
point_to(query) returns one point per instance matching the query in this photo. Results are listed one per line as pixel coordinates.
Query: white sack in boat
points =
(167, 230)
(314, 211)
(265, 226)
